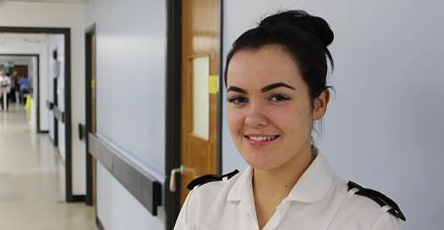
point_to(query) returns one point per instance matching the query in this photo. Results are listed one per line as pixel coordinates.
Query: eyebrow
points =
(237, 89)
(276, 85)
(263, 90)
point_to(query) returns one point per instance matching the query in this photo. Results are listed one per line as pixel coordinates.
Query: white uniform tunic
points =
(319, 200)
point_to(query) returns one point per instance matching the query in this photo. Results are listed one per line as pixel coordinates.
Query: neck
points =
(283, 178)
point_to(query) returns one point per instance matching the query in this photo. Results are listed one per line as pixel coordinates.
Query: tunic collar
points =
(313, 185)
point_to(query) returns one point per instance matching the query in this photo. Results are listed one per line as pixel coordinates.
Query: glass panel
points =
(201, 100)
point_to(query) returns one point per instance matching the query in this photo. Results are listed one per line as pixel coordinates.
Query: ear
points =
(320, 104)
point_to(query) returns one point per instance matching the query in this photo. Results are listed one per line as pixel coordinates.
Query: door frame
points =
(89, 31)
(69, 196)
(55, 101)
(37, 56)
(174, 105)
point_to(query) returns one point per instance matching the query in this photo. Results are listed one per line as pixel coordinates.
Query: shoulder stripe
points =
(209, 178)
(379, 198)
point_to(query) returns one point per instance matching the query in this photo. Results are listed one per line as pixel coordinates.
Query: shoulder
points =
(364, 208)
(208, 187)
(205, 189)
(205, 192)
(210, 178)
(385, 203)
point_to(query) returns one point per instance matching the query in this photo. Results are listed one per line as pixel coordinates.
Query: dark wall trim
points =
(38, 30)
(59, 115)
(54, 119)
(68, 126)
(68, 120)
(39, 129)
(143, 186)
(173, 108)
(89, 32)
(220, 91)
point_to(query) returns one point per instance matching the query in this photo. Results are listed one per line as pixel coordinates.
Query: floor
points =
(32, 180)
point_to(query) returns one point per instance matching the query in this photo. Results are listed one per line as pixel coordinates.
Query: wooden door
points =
(94, 113)
(199, 102)
(91, 116)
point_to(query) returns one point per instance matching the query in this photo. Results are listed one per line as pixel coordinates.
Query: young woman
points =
(276, 88)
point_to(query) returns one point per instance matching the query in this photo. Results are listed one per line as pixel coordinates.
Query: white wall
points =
(70, 15)
(131, 72)
(117, 209)
(384, 127)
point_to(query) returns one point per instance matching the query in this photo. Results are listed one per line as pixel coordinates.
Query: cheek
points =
(234, 120)
(294, 119)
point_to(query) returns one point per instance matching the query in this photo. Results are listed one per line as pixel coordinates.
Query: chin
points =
(260, 160)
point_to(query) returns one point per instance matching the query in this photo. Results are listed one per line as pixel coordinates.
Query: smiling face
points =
(269, 112)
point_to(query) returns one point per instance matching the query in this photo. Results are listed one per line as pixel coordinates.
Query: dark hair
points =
(304, 36)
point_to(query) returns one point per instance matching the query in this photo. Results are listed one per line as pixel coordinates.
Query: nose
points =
(256, 117)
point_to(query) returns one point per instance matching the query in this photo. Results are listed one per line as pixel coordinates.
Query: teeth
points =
(261, 138)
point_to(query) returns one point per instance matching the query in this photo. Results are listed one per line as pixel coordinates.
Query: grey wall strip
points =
(59, 114)
(144, 187)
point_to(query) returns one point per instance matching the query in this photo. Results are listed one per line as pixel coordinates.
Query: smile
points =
(262, 138)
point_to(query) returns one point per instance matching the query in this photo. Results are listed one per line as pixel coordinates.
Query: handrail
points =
(143, 186)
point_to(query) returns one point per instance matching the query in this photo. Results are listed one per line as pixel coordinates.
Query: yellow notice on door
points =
(212, 84)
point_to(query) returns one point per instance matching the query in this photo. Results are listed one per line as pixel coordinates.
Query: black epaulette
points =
(379, 198)
(209, 178)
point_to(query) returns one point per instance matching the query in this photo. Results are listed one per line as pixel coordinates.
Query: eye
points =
(238, 100)
(279, 98)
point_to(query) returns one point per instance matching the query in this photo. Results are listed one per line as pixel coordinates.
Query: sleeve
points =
(387, 222)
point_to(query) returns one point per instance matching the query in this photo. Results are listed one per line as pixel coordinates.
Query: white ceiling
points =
(18, 60)
(6, 38)
(54, 1)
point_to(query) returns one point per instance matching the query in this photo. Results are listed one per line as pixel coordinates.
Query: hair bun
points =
(316, 26)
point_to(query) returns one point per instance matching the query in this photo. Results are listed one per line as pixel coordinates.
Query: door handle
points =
(174, 171)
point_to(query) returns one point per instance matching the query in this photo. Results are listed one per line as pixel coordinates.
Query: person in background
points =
(24, 88)
(12, 92)
(1, 88)
(18, 93)
(16, 86)
(5, 85)
(276, 90)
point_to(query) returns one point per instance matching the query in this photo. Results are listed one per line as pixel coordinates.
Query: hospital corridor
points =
(31, 179)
